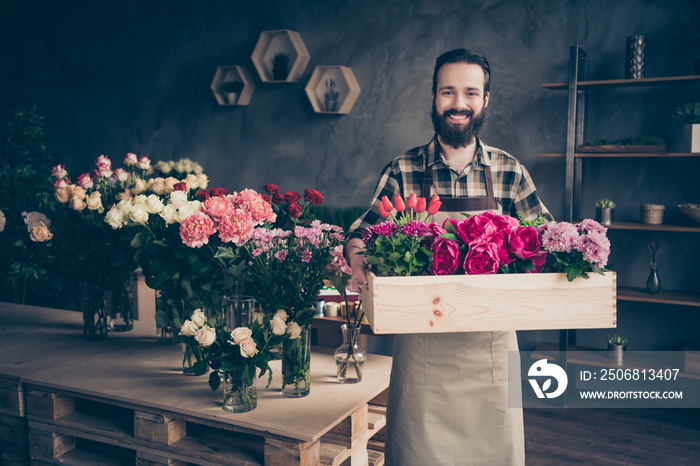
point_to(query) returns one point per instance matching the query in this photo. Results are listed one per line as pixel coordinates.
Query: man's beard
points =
(457, 135)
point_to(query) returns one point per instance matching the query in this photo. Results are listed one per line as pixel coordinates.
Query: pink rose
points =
(120, 174)
(103, 162)
(525, 242)
(236, 226)
(446, 256)
(85, 181)
(144, 163)
(538, 261)
(131, 159)
(500, 240)
(482, 259)
(196, 229)
(502, 222)
(216, 207)
(61, 184)
(475, 228)
(58, 172)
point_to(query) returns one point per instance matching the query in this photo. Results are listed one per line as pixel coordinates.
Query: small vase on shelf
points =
(240, 396)
(349, 357)
(653, 282)
(296, 363)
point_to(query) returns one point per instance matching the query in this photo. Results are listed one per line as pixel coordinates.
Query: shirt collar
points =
(434, 153)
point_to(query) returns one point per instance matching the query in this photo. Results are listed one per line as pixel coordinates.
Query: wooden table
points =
(124, 400)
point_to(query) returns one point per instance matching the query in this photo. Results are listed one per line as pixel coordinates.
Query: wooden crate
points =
(472, 303)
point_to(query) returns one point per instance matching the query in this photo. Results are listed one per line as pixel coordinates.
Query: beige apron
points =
(448, 396)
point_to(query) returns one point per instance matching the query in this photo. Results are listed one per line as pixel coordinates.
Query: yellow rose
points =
(40, 233)
(170, 183)
(62, 195)
(94, 202)
(77, 203)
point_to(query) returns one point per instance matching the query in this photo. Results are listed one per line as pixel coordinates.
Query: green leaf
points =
(214, 380)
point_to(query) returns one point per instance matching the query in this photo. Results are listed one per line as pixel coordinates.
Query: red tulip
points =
(383, 211)
(400, 206)
(411, 204)
(434, 205)
(420, 205)
(386, 203)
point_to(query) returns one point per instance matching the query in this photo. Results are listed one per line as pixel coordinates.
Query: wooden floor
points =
(651, 437)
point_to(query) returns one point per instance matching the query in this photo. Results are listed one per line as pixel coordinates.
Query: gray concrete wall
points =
(133, 76)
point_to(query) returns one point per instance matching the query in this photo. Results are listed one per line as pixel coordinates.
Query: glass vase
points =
(238, 311)
(349, 357)
(121, 308)
(94, 309)
(240, 396)
(193, 361)
(653, 282)
(296, 364)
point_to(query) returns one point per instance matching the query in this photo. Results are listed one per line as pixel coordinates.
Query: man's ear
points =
(486, 99)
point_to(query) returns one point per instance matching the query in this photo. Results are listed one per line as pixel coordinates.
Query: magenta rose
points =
(525, 242)
(538, 261)
(502, 222)
(500, 239)
(475, 228)
(196, 229)
(446, 256)
(482, 259)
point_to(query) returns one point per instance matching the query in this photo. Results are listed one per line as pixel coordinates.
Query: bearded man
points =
(448, 393)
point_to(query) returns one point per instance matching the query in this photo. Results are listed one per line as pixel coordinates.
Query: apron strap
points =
(462, 204)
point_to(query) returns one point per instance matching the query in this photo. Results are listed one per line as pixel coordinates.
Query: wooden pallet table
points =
(124, 400)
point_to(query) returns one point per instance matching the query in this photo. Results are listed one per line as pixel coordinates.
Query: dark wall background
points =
(133, 76)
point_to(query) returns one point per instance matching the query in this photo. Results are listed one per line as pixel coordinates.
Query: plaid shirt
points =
(513, 188)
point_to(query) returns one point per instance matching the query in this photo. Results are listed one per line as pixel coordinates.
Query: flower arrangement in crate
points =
(287, 269)
(235, 354)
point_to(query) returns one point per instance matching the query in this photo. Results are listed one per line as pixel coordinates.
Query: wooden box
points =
(473, 303)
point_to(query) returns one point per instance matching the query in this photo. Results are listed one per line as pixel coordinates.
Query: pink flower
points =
(196, 229)
(59, 172)
(236, 226)
(500, 239)
(538, 262)
(131, 159)
(525, 242)
(260, 210)
(85, 181)
(595, 248)
(558, 237)
(144, 163)
(120, 174)
(475, 228)
(281, 255)
(502, 222)
(338, 265)
(482, 259)
(216, 207)
(306, 256)
(61, 184)
(446, 256)
(103, 162)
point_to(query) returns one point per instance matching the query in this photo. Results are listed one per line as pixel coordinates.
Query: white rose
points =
(178, 199)
(183, 212)
(248, 348)
(192, 182)
(205, 336)
(163, 167)
(199, 318)
(196, 206)
(139, 186)
(2, 220)
(293, 330)
(180, 166)
(259, 318)
(168, 214)
(188, 329)
(281, 314)
(240, 333)
(278, 326)
(202, 179)
(156, 185)
(140, 199)
(114, 218)
(125, 195)
(77, 203)
(94, 202)
(138, 214)
(170, 183)
(77, 191)
(154, 205)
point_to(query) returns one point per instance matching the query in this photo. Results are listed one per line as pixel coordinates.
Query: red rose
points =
(202, 195)
(475, 228)
(277, 198)
(294, 210)
(219, 192)
(525, 242)
(482, 259)
(181, 186)
(266, 198)
(313, 196)
(446, 256)
(292, 197)
(271, 188)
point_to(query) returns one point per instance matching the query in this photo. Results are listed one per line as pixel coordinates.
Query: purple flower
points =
(595, 248)
(281, 255)
(588, 225)
(416, 228)
(380, 229)
(306, 256)
(558, 237)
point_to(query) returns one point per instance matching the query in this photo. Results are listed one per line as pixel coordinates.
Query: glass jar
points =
(350, 356)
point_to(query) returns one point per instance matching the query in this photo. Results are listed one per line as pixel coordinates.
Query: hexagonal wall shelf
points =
(272, 44)
(232, 74)
(332, 79)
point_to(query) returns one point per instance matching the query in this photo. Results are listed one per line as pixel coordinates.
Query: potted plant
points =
(231, 89)
(689, 115)
(604, 210)
(617, 345)
(331, 96)
(280, 63)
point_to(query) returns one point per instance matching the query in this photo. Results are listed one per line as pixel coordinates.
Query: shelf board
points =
(627, 82)
(648, 227)
(600, 358)
(663, 297)
(622, 154)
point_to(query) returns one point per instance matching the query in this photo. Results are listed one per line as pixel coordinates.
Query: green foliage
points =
(605, 203)
(689, 113)
(572, 264)
(398, 255)
(616, 339)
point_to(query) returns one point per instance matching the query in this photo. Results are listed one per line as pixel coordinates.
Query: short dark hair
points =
(463, 56)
